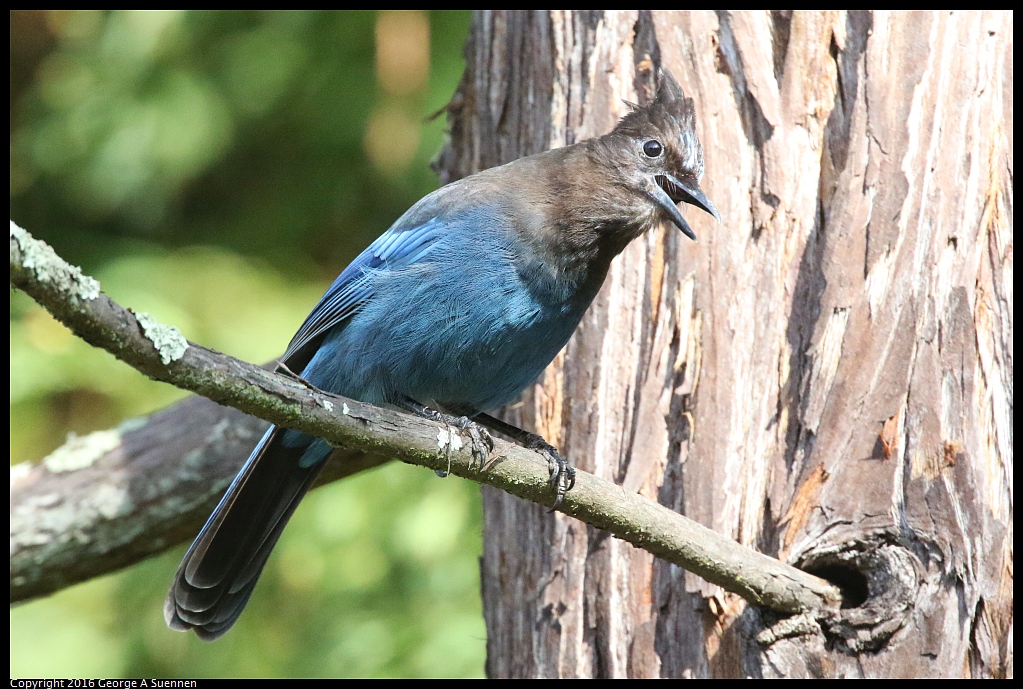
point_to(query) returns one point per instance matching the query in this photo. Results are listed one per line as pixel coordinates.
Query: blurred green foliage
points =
(217, 170)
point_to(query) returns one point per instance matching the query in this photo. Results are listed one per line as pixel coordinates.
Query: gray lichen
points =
(47, 266)
(81, 451)
(168, 340)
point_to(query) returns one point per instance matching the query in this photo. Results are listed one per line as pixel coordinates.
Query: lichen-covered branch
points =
(43, 515)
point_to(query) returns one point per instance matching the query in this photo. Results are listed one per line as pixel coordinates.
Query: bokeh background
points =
(217, 170)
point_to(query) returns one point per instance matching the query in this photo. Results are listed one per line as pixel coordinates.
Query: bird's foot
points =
(562, 477)
(480, 440)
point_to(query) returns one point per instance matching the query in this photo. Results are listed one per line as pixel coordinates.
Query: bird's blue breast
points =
(471, 321)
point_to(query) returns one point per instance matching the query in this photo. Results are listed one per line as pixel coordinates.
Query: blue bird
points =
(453, 311)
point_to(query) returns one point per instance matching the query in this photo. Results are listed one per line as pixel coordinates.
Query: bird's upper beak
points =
(667, 191)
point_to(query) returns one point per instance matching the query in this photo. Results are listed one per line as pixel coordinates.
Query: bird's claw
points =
(562, 477)
(480, 439)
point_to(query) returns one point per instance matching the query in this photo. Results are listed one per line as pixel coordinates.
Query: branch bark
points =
(134, 513)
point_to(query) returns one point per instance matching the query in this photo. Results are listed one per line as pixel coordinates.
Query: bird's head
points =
(658, 155)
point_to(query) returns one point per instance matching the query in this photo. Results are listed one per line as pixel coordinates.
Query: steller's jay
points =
(460, 305)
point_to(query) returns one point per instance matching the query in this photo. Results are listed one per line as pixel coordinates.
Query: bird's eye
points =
(653, 148)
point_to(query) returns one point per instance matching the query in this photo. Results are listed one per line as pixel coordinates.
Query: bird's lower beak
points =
(667, 191)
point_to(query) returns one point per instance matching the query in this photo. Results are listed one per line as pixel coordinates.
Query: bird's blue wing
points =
(408, 241)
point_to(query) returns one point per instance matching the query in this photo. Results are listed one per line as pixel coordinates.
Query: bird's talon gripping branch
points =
(479, 437)
(562, 477)
(481, 440)
(562, 480)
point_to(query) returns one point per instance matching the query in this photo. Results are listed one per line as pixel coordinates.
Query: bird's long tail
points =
(219, 571)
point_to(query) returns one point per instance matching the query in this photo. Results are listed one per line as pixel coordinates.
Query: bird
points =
(450, 314)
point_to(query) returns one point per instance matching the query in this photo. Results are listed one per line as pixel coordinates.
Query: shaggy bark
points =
(826, 376)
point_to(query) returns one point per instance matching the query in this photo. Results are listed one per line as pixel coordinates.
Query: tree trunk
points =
(826, 376)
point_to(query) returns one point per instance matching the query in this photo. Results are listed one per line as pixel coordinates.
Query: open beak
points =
(667, 191)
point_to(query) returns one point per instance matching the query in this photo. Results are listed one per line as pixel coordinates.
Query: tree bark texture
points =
(826, 376)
